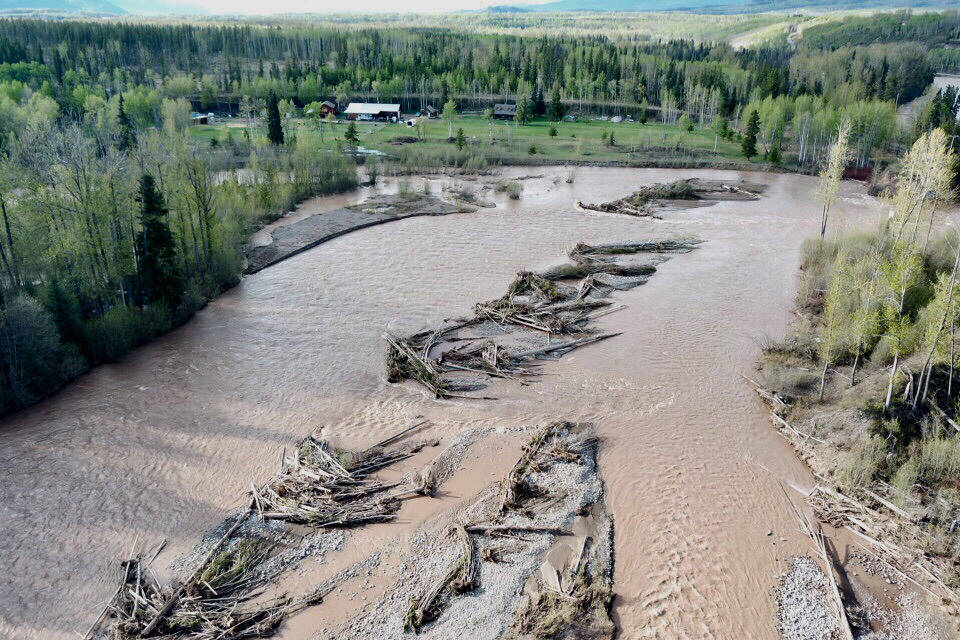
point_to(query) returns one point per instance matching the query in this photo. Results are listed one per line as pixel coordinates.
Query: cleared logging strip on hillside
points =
(642, 203)
(560, 301)
(318, 485)
(887, 532)
(576, 602)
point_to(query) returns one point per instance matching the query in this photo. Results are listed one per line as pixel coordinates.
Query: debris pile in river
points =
(532, 557)
(689, 192)
(324, 486)
(320, 486)
(506, 335)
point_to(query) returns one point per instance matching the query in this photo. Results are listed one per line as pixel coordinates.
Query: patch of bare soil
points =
(289, 240)
(691, 192)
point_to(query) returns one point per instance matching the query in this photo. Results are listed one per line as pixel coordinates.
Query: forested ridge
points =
(117, 224)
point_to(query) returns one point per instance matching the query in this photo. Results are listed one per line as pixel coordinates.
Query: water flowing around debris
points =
(163, 444)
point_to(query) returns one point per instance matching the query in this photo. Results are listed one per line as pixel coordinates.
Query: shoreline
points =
(310, 351)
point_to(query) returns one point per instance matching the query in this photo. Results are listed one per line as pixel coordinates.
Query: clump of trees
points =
(114, 231)
(892, 298)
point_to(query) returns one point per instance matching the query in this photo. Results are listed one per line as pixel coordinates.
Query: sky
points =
(259, 7)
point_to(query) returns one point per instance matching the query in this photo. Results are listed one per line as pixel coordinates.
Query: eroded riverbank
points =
(163, 444)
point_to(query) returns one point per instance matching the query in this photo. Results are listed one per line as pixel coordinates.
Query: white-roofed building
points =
(372, 111)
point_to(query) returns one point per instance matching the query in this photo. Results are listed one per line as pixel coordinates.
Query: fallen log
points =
(172, 600)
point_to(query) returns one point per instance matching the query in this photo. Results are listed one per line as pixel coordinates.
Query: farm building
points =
(429, 111)
(372, 111)
(326, 108)
(201, 118)
(504, 111)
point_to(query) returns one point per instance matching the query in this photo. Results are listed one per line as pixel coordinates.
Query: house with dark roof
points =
(326, 108)
(504, 111)
(429, 111)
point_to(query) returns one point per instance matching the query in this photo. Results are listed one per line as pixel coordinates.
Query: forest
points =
(119, 222)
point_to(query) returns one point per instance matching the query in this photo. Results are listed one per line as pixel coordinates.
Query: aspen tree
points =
(834, 334)
(865, 321)
(832, 174)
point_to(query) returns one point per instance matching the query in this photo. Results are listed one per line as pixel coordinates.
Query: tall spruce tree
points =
(159, 273)
(749, 144)
(126, 136)
(65, 312)
(556, 105)
(274, 126)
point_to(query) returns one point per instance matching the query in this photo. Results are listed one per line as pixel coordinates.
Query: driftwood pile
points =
(575, 601)
(323, 486)
(887, 532)
(320, 486)
(558, 302)
(649, 198)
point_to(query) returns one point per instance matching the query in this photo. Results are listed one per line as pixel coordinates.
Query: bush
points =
(553, 132)
(685, 123)
(938, 458)
(532, 150)
(863, 461)
(33, 360)
(113, 334)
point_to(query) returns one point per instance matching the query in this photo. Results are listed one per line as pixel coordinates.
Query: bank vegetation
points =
(864, 384)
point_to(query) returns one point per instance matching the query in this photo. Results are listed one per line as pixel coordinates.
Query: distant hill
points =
(731, 6)
(116, 7)
(59, 6)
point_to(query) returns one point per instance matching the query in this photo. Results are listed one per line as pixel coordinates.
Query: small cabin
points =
(504, 111)
(429, 111)
(200, 118)
(373, 111)
(327, 108)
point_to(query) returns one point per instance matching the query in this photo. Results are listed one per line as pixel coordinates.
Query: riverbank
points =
(285, 241)
(164, 443)
(883, 460)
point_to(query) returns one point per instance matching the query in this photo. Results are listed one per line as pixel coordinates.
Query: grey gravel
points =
(803, 602)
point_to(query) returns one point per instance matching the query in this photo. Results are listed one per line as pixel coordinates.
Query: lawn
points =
(509, 143)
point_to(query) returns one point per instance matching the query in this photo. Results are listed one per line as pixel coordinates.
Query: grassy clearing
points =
(501, 142)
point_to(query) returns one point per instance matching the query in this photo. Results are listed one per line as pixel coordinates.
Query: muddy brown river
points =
(164, 444)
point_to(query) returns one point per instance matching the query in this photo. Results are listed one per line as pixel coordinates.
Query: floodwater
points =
(164, 444)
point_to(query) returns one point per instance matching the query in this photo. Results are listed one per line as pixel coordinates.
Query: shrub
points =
(553, 132)
(33, 360)
(113, 334)
(863, 461)
(938, 458)
(532, 150)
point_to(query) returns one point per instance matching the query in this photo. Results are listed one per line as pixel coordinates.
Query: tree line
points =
(113, 232)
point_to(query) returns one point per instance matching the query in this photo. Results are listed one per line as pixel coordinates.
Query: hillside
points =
(60, 6)
(715, 6)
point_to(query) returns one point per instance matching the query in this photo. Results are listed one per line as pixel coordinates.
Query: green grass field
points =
(509, 143)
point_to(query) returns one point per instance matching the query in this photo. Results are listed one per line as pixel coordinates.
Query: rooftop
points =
(371, 107)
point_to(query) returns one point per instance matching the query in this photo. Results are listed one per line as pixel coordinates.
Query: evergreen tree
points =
(126, 137)
(350, 135)
(274, 126)
(158, 271)
(749, 144)
(556, 105)
(539, 105)
(523, 111)
(461, 139)
(65, 312)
